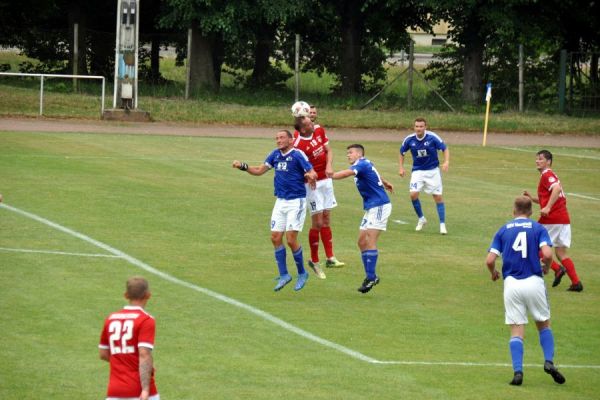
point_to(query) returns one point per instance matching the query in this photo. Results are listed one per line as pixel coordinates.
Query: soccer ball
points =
(300, 109)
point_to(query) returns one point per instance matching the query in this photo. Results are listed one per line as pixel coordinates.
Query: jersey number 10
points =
(121, 332)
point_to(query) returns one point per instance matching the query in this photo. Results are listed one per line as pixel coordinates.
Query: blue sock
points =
(417, 205)
(441, 209)
(280, 258)
(516, 352)
(299, 259)
(547, 342)
(369, 258)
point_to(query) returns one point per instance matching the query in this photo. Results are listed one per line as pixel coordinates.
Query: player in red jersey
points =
(313, 141)
(555, 217)
(126, 342)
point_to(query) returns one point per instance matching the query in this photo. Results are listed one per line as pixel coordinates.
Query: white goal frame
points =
(42, 76)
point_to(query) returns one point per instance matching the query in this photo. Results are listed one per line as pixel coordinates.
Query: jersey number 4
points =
(520, 244)
(121, 332)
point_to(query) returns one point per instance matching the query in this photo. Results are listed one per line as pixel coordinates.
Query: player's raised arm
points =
(252, 170)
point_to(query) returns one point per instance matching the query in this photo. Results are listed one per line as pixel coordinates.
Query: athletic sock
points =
(280, 257)
(441, 209)
(516, 352)
(369, 258)
(417, 206)
(299, 259)
(327, 238)
(570, 267)
(547, 343)
(313, 241)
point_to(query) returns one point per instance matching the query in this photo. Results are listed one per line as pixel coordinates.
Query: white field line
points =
(260, 313)
(558, 154)
(582, 196)
(58, 252)
(399, 221)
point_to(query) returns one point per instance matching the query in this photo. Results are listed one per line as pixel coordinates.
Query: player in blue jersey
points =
(291, 168)
(376, 203)
(424, 145)
(519, 242)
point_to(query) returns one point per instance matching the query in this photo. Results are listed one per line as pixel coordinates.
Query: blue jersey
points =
(424, 150)
(519, 242)
(289, 173)
(369, 184)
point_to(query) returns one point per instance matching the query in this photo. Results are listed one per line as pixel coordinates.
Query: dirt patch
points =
(345, 134)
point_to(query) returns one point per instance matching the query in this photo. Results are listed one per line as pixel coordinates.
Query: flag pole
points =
(488, 100)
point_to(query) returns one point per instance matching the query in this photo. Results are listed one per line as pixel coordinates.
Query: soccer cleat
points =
(443, 229)
(283, 280)
(334, 263)
(302, 278)
(368, 285)
(317, 269)
(517, 380)
(558, 276)
(420, 224)
(549, 368)
(576, 287)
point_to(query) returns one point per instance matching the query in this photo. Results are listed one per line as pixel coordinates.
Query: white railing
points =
(41, 76)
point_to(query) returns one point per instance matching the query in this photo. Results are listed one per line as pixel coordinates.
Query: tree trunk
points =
(218, 57)
(202, 72)
(262, 53)
(351, 63)
(473, 69)
(155, 59)
(77, 16)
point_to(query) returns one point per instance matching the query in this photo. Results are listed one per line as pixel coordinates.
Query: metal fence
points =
(42, 76)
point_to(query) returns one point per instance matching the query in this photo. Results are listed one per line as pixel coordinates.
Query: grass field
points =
(174, 204)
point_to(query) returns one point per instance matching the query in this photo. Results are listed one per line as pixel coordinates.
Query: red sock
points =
(313, 240)
(327, 238)
(570, 267)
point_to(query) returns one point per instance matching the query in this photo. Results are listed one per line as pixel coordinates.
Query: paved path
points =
(345, 134)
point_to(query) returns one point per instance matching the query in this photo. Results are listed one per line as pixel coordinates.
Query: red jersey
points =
(314, 148)
(558, 213)
(124, 331)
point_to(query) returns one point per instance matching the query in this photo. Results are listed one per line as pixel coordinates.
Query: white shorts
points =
(155, 397)
(430, 181)
(322, 198)
(376, 218)
(560, 234)
(523, 295)
(288, 215)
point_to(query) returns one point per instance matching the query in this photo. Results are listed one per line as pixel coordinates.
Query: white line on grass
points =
(583, 197)
(558, 154)
(58, 252)
(260, 313)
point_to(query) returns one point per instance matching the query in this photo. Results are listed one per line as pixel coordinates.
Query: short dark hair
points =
(420, 119)
(357, 146)
(546, 153)
(523, 205)
(289, 134)
(136, 287)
